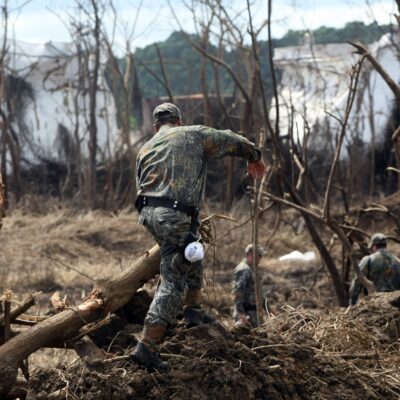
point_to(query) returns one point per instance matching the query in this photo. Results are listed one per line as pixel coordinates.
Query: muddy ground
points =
(307, 349)
(301, 354)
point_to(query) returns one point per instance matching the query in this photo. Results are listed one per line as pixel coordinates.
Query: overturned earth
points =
(298, 354)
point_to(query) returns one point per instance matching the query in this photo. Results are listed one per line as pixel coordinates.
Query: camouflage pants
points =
(170, 229)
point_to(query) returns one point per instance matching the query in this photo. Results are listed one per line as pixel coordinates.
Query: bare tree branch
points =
(350, 101)
(363, 50)
(164, 73)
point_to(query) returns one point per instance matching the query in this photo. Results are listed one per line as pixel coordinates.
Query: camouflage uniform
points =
(382, 268)
(173, 164)
(244, 292)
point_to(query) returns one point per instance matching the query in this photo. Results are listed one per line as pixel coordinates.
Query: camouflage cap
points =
(260, 250)
(378, 239)
(166, 110)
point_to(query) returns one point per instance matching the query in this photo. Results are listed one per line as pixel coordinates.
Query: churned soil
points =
(300, 354)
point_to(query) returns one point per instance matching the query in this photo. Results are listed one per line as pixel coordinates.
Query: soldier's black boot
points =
(151, 360)
(194, 316)
(146, 354)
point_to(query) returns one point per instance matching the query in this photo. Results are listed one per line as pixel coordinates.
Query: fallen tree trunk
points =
(108, 295)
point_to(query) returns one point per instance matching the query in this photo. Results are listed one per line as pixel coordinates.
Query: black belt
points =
(191, 211)
(145, 201)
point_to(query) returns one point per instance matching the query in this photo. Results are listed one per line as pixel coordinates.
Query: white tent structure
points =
(51, 101)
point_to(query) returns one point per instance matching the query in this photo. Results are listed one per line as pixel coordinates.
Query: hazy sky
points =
(39, 21)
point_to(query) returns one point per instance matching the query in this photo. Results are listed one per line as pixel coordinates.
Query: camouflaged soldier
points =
(381, 267)
(245, 310)
(170, 177)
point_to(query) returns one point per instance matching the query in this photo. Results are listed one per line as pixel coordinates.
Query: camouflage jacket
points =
(243, 287)
(173, 163)
(382, 268)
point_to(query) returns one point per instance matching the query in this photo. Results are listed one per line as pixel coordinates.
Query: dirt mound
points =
(300, 354)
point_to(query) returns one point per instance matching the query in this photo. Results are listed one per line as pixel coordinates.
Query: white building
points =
(315, 86)
(50, 102)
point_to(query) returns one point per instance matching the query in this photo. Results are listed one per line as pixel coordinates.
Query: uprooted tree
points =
(108, 295)
(72, 323)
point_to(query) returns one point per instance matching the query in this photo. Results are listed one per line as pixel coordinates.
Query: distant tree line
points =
(352, 31)
(182, 63)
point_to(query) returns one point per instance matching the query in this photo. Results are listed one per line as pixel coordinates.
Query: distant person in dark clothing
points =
(381, 267)
(245, 310)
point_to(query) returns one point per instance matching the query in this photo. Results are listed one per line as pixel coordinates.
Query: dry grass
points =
(366, 336)
(62, 249)
(43, 251)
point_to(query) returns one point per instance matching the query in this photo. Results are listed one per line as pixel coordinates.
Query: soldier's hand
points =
(256, 169)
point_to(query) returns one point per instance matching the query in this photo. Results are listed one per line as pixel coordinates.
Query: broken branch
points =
(364, 51)
(20, 309)
(108, 295)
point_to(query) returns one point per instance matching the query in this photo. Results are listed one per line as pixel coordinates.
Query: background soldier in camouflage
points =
(173, 165)
(381, 267)
(245, 311)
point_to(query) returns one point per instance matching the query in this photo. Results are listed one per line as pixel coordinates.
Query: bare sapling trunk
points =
(256, 216)
(2, 200)
(167, 84)
(93, 90)
(256, 268)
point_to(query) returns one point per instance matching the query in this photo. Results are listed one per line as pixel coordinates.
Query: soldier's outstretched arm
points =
(218, 144)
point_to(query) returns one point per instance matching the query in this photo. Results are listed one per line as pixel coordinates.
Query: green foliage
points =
(183, 63)
(350, 32)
